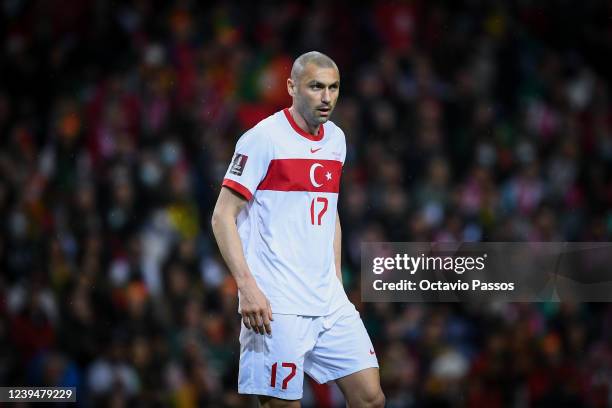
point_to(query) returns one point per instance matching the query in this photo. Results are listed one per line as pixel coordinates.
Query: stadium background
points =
(465, 120)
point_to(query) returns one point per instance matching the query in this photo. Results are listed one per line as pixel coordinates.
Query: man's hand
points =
(255, 308)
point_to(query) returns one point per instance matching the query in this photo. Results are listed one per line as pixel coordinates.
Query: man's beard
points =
(310, 115)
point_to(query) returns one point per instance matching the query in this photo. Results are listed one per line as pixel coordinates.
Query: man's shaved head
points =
(314, 87)
(313, 57)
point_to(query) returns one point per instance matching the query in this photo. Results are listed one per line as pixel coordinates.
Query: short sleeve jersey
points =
(291, 180)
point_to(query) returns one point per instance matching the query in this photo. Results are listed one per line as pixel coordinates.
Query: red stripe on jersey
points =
(239, 188)
(303, 175)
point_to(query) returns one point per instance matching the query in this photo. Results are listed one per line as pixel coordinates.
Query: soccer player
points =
(278, 230)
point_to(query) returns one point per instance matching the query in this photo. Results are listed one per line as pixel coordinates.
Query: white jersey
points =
(291, 180)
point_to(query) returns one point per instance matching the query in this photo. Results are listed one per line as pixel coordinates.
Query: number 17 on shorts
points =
(271, 364)
(324, 347)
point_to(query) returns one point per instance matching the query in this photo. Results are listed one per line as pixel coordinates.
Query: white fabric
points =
(324, 347)
(291, 259)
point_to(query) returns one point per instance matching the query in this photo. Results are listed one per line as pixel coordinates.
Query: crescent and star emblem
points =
(328, 175)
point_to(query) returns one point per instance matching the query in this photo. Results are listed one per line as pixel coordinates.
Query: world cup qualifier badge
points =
(238, 164)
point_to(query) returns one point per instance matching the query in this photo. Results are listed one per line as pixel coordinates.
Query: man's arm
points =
(338, 247)
(254, 306)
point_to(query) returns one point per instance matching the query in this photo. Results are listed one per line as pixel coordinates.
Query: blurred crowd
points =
(465, 120)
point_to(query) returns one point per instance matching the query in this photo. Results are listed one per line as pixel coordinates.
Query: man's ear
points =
(290, 87)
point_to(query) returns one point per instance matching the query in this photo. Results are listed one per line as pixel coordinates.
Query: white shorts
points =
(324, 347)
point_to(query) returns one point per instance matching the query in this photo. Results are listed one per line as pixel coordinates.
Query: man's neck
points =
(301, 122)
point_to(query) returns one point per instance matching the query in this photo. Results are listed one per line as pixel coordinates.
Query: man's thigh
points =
(362, 388)
(273, 365)
(271, 402)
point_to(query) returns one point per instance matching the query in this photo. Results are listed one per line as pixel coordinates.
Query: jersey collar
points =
(298, 129)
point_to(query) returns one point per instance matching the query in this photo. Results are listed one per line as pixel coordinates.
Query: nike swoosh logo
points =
(372, 352)
(315, 150)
